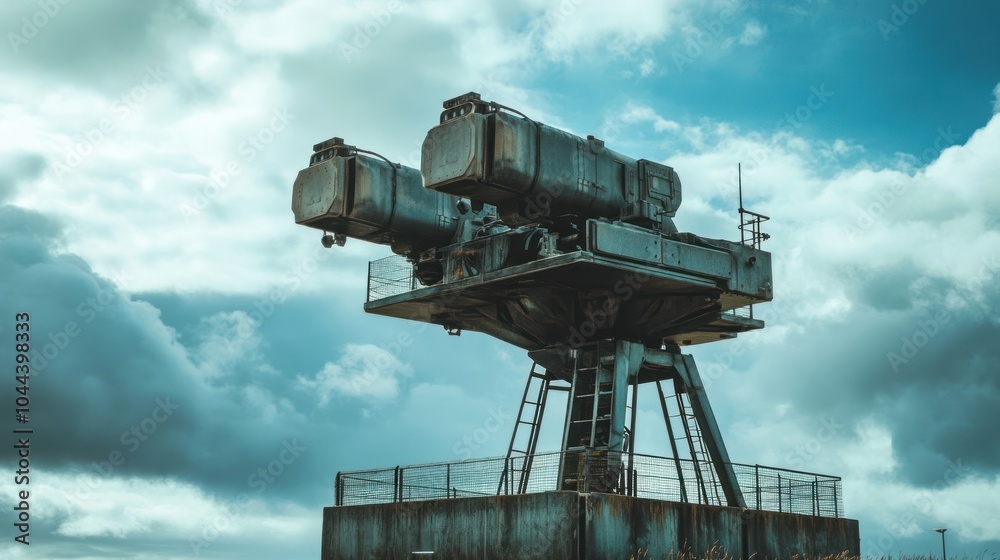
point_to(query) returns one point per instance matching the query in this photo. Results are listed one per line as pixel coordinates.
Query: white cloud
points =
(932, 216)
(996, 99)
(85, 507)
(228, 338)
(904, 510)
(573, 26)
(633, 114)
(364, 371)
(752, 33)
(647, 67)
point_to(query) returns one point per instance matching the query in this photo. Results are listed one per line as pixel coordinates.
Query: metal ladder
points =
(705, 475)
(673, 441)
(520, 455)
(589, 426)
(593, 395)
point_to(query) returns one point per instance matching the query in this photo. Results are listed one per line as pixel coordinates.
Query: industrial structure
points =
(567, 249)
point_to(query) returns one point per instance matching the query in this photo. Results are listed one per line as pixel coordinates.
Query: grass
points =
(720, 553)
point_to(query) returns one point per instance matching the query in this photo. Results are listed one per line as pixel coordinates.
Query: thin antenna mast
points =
(750, 233)
(739, 179)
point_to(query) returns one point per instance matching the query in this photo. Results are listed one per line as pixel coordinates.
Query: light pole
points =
(944, 556)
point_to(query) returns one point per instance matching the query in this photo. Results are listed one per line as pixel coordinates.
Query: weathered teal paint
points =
(529, 526)
(573, 526)
(783, 534)
(620, 526)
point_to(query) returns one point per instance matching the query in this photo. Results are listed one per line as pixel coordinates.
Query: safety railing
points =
(660, 478)
(390, 276)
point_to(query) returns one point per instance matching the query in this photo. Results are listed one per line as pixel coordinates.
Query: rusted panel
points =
(550, 526)
(780, 535)
(620, 526)
(530, 526)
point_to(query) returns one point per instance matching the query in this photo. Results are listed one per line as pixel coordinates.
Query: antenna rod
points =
(739, 178)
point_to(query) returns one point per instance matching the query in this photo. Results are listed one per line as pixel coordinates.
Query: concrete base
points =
(574, 526)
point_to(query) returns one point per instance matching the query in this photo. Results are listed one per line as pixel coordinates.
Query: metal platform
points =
(573, 296)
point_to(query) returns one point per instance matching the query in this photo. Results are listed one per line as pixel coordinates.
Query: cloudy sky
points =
(188, 334)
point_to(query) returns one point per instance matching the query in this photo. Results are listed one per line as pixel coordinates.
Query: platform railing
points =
(653, 477)
(390, 276)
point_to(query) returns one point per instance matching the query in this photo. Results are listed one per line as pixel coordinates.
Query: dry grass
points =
(720, 553)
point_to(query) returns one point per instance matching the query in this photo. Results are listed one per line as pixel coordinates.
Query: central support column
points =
(599, 430)
(596, 414)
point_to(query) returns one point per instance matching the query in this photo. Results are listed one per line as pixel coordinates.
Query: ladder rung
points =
(590, 395)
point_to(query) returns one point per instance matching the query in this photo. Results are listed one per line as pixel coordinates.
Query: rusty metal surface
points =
(573, 526)
(530, 527)
(577, 297)
(619, 526)
(530, 170)
(784, 534)
(500, 270)
(362, 195)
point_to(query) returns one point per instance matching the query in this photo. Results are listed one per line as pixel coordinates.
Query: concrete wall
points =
(620, 526)
(779, 535)
(529, 526)
(571, 526)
